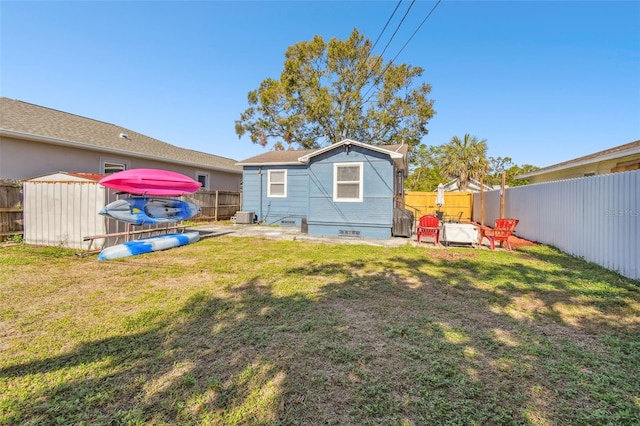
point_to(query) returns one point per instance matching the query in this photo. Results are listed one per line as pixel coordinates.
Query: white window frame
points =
(269, 194)
(126, 164)
(206, 176)
(360, 181)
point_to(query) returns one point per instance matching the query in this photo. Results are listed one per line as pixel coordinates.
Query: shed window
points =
(347, 182)
(277, 183)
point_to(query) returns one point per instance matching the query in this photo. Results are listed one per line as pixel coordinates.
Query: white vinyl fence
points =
(596, 218)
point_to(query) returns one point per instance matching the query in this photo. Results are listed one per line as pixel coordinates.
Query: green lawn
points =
(237, 331)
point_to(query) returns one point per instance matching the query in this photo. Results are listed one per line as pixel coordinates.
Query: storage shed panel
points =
(62, 213)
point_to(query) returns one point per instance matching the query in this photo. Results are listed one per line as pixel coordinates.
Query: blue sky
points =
(541, 81)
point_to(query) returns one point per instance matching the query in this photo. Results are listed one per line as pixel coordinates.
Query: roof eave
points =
(89, 147)
(274, 163)
(393, 154)
(585, 162)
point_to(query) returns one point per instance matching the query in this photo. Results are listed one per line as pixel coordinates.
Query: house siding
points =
(22, 159)
(285, 211)
(371, 218)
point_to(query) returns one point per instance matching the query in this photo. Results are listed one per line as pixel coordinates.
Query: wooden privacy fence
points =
(215, 205)
(422, 203)
(10, 209)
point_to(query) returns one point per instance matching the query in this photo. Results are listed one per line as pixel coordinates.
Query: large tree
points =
(427, 162)
(330, 91)
(500, 165)
(464, 159)
(425, 173)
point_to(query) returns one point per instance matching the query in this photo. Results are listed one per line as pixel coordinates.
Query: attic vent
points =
(124, 136)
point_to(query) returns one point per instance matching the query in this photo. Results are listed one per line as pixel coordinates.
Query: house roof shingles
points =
(596, 156)
(29, 119)
(293, 156)
(278, 157)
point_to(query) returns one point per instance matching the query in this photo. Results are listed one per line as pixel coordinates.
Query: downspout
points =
(260, 218)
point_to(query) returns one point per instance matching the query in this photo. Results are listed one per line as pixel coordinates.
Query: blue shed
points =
(348, 189)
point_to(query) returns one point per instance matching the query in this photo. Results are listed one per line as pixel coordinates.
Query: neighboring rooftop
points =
(29, 121)
(615, 152)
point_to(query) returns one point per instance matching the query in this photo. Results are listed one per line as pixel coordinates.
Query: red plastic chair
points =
(501, 232)
(429, 226)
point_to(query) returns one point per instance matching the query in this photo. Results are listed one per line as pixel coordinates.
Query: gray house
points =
(37, 141)
(348, 189)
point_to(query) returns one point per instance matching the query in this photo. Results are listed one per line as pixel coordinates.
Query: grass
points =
(237, 331)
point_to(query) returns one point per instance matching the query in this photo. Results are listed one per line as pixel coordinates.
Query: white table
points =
(459, 233)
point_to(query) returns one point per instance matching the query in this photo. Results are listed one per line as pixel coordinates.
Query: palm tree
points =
(464, 159)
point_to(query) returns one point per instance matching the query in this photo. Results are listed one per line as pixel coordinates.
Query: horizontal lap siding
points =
(372, 211)
(293, 207)
(250, 189)
(372, 217)
(287, 210)
(347, 231)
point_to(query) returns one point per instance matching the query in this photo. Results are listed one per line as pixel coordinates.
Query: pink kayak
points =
(151, 182)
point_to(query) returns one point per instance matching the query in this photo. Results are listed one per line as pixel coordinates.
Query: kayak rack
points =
(127, 234)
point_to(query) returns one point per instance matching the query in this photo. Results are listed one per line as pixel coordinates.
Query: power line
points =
(398, 27)
(386, 25)
(370, 73)
(373, 66)
(417, 29)
(400, 51)
(379, 57)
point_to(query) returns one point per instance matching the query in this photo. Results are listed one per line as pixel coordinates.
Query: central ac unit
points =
(244, 218)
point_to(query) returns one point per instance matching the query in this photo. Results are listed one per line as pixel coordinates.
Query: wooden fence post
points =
(215, 215)
(502, 194)
(482, 200)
